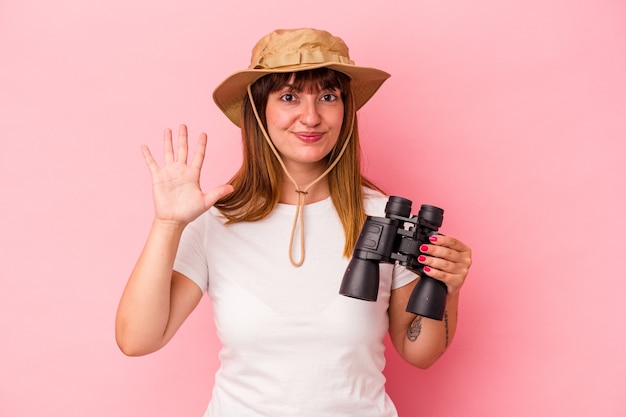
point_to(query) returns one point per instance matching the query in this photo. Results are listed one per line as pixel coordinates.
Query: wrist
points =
(168, 225)
(453, 295)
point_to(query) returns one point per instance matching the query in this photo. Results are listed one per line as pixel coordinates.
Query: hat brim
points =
(229, 94)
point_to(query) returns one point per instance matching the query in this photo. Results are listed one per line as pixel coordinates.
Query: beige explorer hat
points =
(295, 50)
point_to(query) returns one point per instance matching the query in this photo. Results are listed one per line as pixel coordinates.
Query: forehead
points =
(310, 81)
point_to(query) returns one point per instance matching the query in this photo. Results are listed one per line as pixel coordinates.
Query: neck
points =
(319, 191)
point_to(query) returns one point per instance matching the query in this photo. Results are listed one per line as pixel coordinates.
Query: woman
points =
(271, 246)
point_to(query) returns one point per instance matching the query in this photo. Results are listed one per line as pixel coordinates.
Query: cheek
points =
(337, 121)
(270, 121)
(274, 129)
(336, 115)
(276, 120)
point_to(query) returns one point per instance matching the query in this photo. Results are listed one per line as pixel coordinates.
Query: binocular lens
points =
(398, 206)
(432, 215)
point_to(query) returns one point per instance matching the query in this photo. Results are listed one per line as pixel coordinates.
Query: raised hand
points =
(176, 189)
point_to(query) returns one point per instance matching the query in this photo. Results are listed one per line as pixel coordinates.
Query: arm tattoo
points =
(415, 329)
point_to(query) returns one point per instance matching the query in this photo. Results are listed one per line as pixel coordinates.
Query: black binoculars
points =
(397, 237)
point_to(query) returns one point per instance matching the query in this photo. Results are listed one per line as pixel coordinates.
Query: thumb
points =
(216, 193)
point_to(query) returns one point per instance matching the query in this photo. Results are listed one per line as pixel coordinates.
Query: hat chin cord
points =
(299, 217)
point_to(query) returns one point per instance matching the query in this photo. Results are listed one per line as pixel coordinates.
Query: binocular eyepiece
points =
(396, 237)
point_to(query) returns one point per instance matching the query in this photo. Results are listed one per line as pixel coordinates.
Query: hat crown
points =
(295, 47)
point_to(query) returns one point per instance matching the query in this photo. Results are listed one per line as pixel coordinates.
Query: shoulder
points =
(374, 202)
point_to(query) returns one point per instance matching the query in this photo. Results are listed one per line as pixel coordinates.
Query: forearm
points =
(144, 308)
(426, 339)
(420, 340)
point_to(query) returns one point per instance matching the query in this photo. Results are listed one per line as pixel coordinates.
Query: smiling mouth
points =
(309, 136)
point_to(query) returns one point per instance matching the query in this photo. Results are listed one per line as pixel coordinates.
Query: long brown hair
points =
(257, 183)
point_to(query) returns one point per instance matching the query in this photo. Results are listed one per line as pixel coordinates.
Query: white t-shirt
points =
(291, 344)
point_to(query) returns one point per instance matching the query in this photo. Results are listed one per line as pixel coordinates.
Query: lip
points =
(309, 137)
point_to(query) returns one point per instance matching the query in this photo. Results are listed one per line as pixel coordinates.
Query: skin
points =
(157, 300)
(420, 340)
(304, 127)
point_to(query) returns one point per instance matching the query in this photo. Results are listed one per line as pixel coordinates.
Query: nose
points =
(310, 115)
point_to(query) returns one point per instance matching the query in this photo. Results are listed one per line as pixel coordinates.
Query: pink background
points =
(509, 114)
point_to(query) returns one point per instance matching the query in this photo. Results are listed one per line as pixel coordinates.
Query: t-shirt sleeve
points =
(191, 256)
(402, 276)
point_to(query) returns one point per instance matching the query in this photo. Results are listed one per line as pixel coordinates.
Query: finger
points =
(445, 262)
(449, 242)
(150, 162)
(198, 157)
(443, 252)
(453, 282)
(215, 194)
(455, 251)
(182, 144)
(443, 269)
(168, 150)
(435, 273)
(446, 259)
(437, 263)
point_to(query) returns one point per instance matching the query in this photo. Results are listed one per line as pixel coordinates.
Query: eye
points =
(288, 97)
(329, 97)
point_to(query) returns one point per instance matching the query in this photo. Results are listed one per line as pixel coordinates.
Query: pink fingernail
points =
(424, 248)
(426, 269)
(421, 258)
(433, 238)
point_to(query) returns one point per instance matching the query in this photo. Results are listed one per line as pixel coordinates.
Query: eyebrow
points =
(318, 89)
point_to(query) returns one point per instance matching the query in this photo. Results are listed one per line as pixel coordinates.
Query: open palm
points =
(176, 189)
